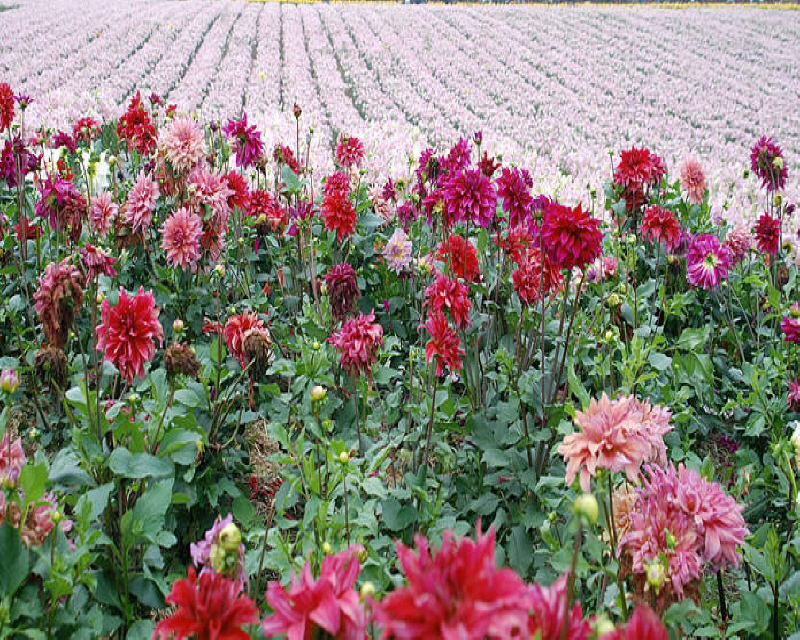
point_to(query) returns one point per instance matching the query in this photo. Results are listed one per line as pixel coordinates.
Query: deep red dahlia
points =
(358, 341)
(767, 162)
(127, 332)
(236, 330)
(660, 225)
(337, 182)
(469, 196)
(639, 169)
(85, 129)
(572, 238)
(339, 215)
(239, 188)
(350, 152)
(768, 234)
(443, 345)
(6, 106)
(211, 608)
(342, 290)
(247, 144)
(516, 244)
(487, 165)
(449, 294)
(790, 325)
(135, 127)
(513, 187)
(461, 258)
(263, 203)
(528, 278)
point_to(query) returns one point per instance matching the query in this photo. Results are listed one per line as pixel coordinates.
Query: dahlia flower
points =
(9, 380)
(693, 180)
(616, 435)
(97, 262)
(767, 162)
(398, 251)
(102, 213)
(488, 165)
(644, 624)
(236, 330)
(707, 262)
(660, 225)
(461, 258)
(337, 182)
(263, 203)
(85, 129)
(452, 295)
(455, 592)
(127, 332)
(328, 604)
(349, 152)
(60, 202)
(15, 150)
(59, 294)
(210, 189)
(357, 342)
(443, 345)
(141, 203)
(183, 144)
(738, 242)
(6, 106)
(513, 188)
(282, 154)
(339, 214)
(135, 127)
(342, 290)
(794, 394)
(63, 139)
(548, 608)
(768, 234)
(469, 196)
(790, 325)
(209, 608)
(12, 459)
(219, 552)
(516, 243)
(39, 519)
(571, 236)
(638, 169)
(527, 278)
(459, 156)
(247, 144)
(180, 239)
(240, 191)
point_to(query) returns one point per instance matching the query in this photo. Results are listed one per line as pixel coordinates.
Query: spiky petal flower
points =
(527, 278)
(707, 262)
(548, 609)
(337, 182)
(141, 203)
(339, 214)
(693, 180)
(343, 290)
(638, 169)
(180, 238)
(794, 395)
(329, 604)
(135, 127)
(768, 234)
(660, 225)
(183, 144)
(6, 106)
(738, 242)
(469, 196)
(449, 294)
(461, 257)
(767, 162)
(209, 608)
(513, 187)
(127, 332)
(214, 553)
(790, 325)
(357, 342)
(85, 129)
(38, 523)
(349, 152)
(571, 236)
(59, 294)
(398, 251)
(210, 189)
(97, 262)
(247, 144)
(443, 344)
(456, 591)
(644, 624)
(236, 330)
(102, 213)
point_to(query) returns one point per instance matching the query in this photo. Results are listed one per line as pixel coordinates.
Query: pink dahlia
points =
(644, 624)
(660, 225)
(62, 204)
(236, 330)
(693, 180)
(738, 242)
(12, 459)
(343, 290)
(209, 608)
(339, 214)
(459, 156)
(97, 262)
(180, 240)
(794, 395)
(548, 608)
(398, 251)
(349, 152)
(127, 332)
(571, 236)
(210, 189)
(337, 182)
(469, 196)
(460, 257)
(183, 144)
(707, 262)
(312, 608)
(247, 144)
(513, 188)
(790, 325)
(59, 295)
(455, 592)
(767, 162)
(443, 344)
(357, 342)
(6, 106)
(616, 435)
(141, 203)
(38, 523)
(449, 294)
(102, 213)
(768, 234)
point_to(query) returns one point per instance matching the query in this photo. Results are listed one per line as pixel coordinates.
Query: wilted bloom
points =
(329, 604)
(443, 344)
(616, 435)
(60, 203)
(6, 106)
(59, 294)
(707, 262)
(236, 330)
(349, 152)
(209, 608)
(455, 592)
(180, 239)
(571, 236)
(282, 154)
(179, 358)
(247, 144)
(221, 550)
(398, 251)
(790, 325)
(660, 225)
(693, 180)
(461, 258)
(469, 196)
(128, 331)
(449, 294)
(738, 242)
(357, 342)
(342, 289)
(548, 608)
(513, 188)
(102, 213)
(12, 459)
(767, 162)
(768, 234)
(183, 144)
(97, 262)
(141, 203)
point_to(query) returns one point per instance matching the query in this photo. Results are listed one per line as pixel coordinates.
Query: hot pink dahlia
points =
(443, 345)
(693, 180)
(548, 608)
(456, 592)
(328, 604)
(343, 290)
(452, 295)
(660, 225)
(707, 262)
(141, 203)
(247, 144)
(768, 234)
(794, 394)
(572, 238)
(180, 240)
(469, 196)
(339, 214)
(102, 213)
(460, 257)
(97, 262)
(459, 156)
(236, 330)
(738, 242)
(349, 152)
(358, 341)
(767, 162)
(127, 332)
(513, 187)
(183, 144)
(790, 325)
(59, 295)
(6, 106)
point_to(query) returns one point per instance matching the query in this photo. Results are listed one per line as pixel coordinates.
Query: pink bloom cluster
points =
(357, 342)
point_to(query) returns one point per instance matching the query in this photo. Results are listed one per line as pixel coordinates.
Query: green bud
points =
(587, 507)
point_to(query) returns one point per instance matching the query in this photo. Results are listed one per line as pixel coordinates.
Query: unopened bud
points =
(230, 538)
(344, 457)
(367, 589)
(326, 548)
(613, 300)
(656, 576)
(586, 506)
(177, 325)
(603, 626)
(318, 393)
(777, 162)
(315, 345)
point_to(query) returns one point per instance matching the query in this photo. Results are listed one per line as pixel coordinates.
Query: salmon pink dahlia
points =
(97, 262)
(183, 144)
(768, 234)
(349, 152)
(180, 238)
(127, 332)
(210, 189)
(236, 330)
(444, 345)
(247, 144)
(571, 236)
(707, 262)
(141, 203)
(738, 242)
(660, 225)
(102, 213)
(693, 180)
(357, 343)
(59, 295)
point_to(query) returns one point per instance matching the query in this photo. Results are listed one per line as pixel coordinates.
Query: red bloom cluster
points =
(571, 236)
(528, 277)
(337, 182)
(339, 214)
(236, 330)
(768, 234)
(349, 152)
(449, 294)
(660, 225)
(85, 129)
(263, 203)
(135, 127)
(461, 258)
(443, 345)
(639, 169)
(357, 342)
(6, 106)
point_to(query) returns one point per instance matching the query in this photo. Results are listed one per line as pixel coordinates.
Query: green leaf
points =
(692, 339)
(32, 481)
(659, 361)
(150, 509)
(139, 465)
(14, 556)
(141, 630)
(520, 550)
(397, 517)
(65, 470)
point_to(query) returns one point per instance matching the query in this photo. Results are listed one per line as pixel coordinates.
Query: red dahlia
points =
(461, 258)
(449, 294)
(660, 225)
(237, 328)
(571, 236)
(349, 152)
(6, 106)
(135, 127)
(443, 344)
(639, 169)
(527, 279)
(339, 214)
(342, 289)
(766, 161)
(513, 187)
(358, 341)
(768, 234)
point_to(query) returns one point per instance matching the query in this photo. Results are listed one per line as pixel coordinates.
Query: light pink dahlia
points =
(183, 144)
(693, 180)
(141, 203)
(398, 251)
(102, 213)
(12, 459)
(180, 240)
(211, 189)
(738, 242)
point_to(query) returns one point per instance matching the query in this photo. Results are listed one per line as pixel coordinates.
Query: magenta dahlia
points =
(247, 144)
(513, 188)
(707, 262)
(767, 162)
(357, 343)
(469, 196)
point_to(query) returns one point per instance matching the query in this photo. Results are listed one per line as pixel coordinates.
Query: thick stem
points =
(430, 422)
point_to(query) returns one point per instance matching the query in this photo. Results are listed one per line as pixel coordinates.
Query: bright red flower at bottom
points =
(213, 608)
(643, 625)
(548, 606)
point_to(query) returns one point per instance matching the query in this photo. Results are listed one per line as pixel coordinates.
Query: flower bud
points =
(177, 325)
(586, 506)
(9, 380)
(199, 444)
(671, 541)
(230, 538)
(777, 162)
(656, 576)
(56, 517)
(323, 288)
(603, 626)
(367, 589)
(33, 433)
(318, 393)
(315, 345)
(630, 239)
(219, 270)
(671, 258)
(326, 548)
(134, 397)
(778, 199)
(613, 300)
(344, 457)
(240, 241)
(746, 174)
(327, 425)
(610, 335)
(100, 297)
(552, 516)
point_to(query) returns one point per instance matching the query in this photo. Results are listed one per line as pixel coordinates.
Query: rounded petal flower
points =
(693, 180)
(141, 203)
(443, 344)
(183, 144)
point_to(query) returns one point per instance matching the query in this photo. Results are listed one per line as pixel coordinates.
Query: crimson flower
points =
(766, 161)
(638, 169)
(644, 624)
(461, 257)
(794, 395)
(357, 342)
(337, 182)
(211, 608)
(247, 144)
(284, 155)
(85, 129)
(571, 236)
(240, 192)
(349, 152)
(339, 214)
(660, 225)
(790, 325)
(528, 277)
(135, 127)
(449, 294)
(444, 344)
(6, 106)
(513, 187)
(469, 196)
(768, 234)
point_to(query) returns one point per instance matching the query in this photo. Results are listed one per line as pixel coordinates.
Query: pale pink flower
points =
(209, 188)
(141, 203)
(398, 251)
(102, 213)
(693, 180)
(12, 459)
(181, 235)
(183, 144)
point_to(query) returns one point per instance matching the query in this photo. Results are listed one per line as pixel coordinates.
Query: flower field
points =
(398, 322)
